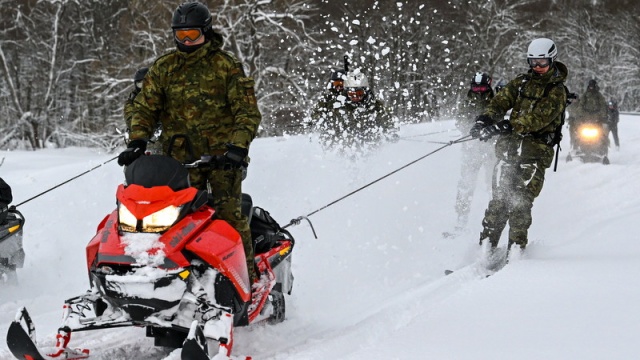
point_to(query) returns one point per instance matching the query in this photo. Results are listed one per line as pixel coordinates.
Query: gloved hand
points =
(482, 121)
(502, 127)
(236, 155)
(135, 149)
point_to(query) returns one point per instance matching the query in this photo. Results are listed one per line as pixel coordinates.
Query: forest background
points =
(66, 66)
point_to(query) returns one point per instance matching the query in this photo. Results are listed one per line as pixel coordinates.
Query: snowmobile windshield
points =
(157, 170)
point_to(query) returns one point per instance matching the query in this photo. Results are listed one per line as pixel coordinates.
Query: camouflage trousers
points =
(515, 186)
(226, 194)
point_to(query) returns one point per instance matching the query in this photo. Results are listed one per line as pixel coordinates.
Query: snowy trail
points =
(372, 285)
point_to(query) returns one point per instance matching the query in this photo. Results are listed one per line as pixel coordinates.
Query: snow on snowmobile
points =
(591, 143)
(163, 260)
(11, 251)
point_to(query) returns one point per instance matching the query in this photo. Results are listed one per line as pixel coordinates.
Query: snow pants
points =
(226, 194)
(475, 155)
(515, 186)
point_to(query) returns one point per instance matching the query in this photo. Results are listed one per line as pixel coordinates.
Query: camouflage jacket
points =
(474, 105)
(127, 111)
(367, 120)
(534, 116)
(204, 95)
(593, 107)
(325, 106)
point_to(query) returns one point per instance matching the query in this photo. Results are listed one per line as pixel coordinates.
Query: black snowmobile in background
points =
(11, 251)
(591, 142)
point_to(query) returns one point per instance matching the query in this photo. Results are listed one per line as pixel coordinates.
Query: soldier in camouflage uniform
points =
(334, 97)
(137, 86)
(525, 144)
(593, 105)
(475, 154)
(201, 91)
(357, 124)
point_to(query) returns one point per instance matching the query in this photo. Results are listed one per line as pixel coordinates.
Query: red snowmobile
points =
(163, 260)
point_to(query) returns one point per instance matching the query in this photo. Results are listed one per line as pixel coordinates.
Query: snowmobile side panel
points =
(220, 246)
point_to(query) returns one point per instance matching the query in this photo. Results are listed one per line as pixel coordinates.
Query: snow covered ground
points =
(372, 285)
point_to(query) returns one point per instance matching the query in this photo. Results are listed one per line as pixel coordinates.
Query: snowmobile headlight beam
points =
(589, 133)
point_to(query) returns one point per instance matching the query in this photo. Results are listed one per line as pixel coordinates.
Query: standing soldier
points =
(201, 91)
(359, 122)
(475, 154)
(333, 97)
(614, 118)
(593, 105)
(525, 144)
(138, 77)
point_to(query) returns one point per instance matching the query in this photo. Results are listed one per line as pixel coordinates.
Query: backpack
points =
(265, 231)
(554, 138)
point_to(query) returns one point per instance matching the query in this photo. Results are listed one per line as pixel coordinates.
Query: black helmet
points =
(338, 74)
(191, 15)
(140, 74)
(481, 79)
(592, 84)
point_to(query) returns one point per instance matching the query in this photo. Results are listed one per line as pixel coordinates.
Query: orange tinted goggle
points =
(356, 92)
(183, 35)
(337, 83)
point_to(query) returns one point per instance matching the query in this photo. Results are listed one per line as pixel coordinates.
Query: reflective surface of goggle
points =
(183, 35)
(543, 63)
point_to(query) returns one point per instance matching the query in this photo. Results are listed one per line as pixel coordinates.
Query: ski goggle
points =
(183, 35)
(356, 94)
(541, 63)
(338, 84)
(479, 88)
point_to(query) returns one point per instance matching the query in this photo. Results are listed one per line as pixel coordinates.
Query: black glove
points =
(502, 127)
(135, 149)
(482, 121)
(236, 155)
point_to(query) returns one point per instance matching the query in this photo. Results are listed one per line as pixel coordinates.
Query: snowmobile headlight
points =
(127, 221)
(159, 221)
(589, 132)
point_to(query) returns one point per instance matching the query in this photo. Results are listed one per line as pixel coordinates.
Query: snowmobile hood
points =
(142, 201)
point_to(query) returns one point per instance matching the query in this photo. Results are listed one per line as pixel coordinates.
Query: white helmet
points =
(356, 79)
(542, 48)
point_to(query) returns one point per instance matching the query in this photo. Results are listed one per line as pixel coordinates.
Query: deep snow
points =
(372, 285)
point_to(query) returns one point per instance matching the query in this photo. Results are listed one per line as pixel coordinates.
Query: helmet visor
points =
(338, 85)
(541, 63)
(183, 35)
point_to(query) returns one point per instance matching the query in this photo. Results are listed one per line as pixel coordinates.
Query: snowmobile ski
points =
(22, 344)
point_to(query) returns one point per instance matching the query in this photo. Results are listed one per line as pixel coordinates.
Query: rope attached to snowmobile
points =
(66, 181)
(297, 220)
